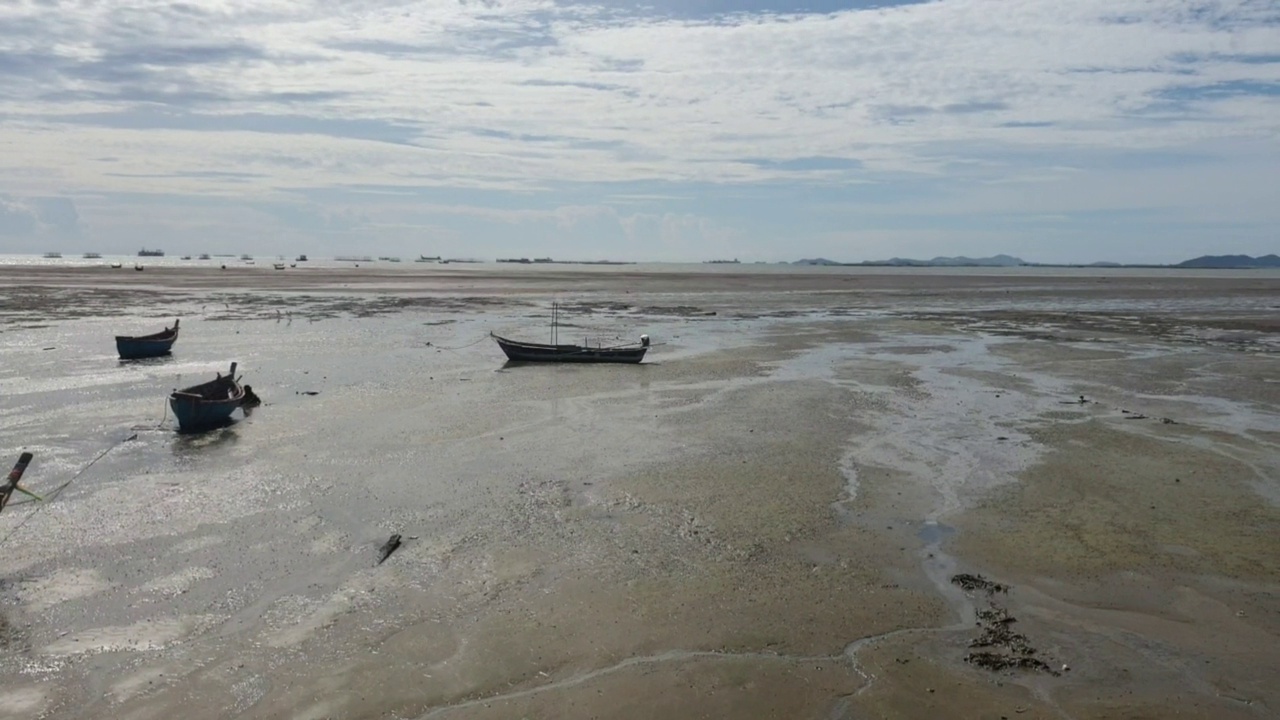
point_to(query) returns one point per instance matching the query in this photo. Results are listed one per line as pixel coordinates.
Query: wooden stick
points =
(11, 483)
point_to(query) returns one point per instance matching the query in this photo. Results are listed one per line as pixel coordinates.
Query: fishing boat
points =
(53, 255)
(204, 256)
(147, 346)
(278, 266)
(210, 404)
(521, 351)
(150, 253)
(301, 258)
(117, 265)
(92, 256)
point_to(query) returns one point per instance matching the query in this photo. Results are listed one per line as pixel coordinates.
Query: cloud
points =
(273, 99)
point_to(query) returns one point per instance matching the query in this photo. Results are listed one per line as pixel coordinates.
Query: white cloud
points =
(526, 92)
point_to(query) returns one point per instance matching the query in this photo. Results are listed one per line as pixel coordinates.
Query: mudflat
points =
(833, 494)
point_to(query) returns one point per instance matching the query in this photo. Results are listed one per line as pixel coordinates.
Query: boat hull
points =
(133, 349)
(147, 346)
(535, 352)
(194, 414)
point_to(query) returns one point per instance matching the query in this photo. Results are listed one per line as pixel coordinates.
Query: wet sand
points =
(761, 521)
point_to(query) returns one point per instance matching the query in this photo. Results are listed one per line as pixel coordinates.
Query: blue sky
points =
(1126, 130)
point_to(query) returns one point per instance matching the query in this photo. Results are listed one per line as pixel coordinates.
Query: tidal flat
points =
(765, 519)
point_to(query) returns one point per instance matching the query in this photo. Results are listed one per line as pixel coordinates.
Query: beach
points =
(826, 493)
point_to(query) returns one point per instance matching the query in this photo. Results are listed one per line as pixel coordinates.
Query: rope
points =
(58, 490)
(460, 347)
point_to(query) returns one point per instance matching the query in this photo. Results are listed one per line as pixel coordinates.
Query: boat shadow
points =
(190, 442)
(158, 360)
(513, 364)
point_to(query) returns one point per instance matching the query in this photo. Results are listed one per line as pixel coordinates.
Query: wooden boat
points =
(210, 404)
(278, 266)
(520, 351)
(147, 346)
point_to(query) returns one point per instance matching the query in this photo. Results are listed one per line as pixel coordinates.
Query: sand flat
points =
(761, 521)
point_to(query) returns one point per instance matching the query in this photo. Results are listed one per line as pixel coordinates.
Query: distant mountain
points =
(1231, 261)
(961, 261)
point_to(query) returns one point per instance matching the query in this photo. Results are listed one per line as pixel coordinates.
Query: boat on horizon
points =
(521, 351)
(204, 256)
(150, 253)
(211, 404)
(424, 258)
(91, 256)
(301, 258)
(132, 347)
(185, 257)
(53, 255)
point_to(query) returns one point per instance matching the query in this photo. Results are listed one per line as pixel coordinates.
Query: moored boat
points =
(521, 351)
(211, 404)
(147, 346)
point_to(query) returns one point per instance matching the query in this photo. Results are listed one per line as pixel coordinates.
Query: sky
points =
(672, 130)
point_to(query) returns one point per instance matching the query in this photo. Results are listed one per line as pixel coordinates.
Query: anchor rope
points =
(48, 497)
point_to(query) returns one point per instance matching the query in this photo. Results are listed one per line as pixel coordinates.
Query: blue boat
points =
(209, 405)
(147, 346)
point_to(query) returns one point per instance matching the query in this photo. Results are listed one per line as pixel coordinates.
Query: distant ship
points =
(150, 253)
(53, 255)
(91, 256)
(185, 257)
(246, 256)
(424, 258)
(722, 262)
(301, 258)
(204, 256)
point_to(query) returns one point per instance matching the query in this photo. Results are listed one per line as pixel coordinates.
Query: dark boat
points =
(521, 351)
(147, 346)
(210, 404)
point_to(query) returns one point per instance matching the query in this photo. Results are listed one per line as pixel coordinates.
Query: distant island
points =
(1231, 261)
(1219, 262)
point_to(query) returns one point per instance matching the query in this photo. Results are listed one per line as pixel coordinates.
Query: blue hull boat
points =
(209, 405)
(147, 346)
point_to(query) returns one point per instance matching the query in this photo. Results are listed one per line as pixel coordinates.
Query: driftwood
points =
(389, 547)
